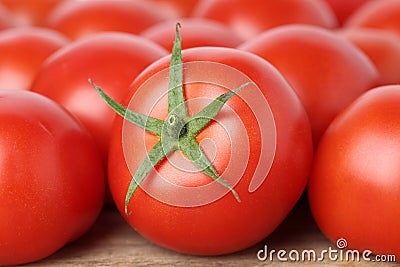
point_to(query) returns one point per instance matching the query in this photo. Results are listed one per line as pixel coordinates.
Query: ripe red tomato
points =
(383, 15)
(77, 19)
(263, 133)
(344, 8)
(22, 51)
(355, 186)
(30, 12)
(112, 59)
(382, 48)
(52, 181)
(320, 66)
(6, 18)
(250, 18)
(176, 8)
(194, 32)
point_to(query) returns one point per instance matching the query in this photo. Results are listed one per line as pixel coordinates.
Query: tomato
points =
(176, 8)
(30, 12)
(22, 51)
(77, 19)
(195, 32)
(114, 59)
(383, 15)
(320, 66)
(250, 18)
(345, 8)
(6, 18)
(260, 142)
(382, 48)
(52, 181)
(355, 186)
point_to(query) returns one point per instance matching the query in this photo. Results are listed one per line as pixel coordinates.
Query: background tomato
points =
(51, 182)
(23, 51)
(6, 18)
(249, 18)
(77, 19)
(355, 186)
(240, 130)
(382, 48)
(344, 8)
(194, 32)
(113, 59)
(383, 15)
(320, 66)
(176, 8)
(30, 12)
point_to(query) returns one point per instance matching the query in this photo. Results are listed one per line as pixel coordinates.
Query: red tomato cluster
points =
(316, 102)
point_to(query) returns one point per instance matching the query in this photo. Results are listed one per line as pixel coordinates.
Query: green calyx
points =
(178, 131)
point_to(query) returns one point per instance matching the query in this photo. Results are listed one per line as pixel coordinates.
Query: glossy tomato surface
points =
(260, 142)
(174, 9)
(77, 19)
(355, 186)
(250, 18)
(195, 32)
(381, 47)
(23, 51)
(111, 59)
(326, 72)
(52, 180)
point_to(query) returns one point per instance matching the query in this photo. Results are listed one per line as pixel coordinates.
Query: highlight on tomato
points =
(326, 71)
(205, 146)
(23, 50)
(52, 182)
(355, 185)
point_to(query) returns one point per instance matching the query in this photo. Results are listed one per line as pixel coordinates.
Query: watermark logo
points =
(340, 253)
(233, 137)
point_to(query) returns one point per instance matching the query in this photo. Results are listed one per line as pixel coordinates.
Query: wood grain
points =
(112, 242)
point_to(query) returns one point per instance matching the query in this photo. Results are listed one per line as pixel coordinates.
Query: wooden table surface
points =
(112, 242)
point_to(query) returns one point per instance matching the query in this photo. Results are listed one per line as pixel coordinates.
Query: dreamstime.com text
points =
(331, 254)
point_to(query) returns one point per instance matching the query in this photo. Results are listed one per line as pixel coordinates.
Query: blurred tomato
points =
(176, 8)
(30, 12)
(251, 17)
(383, 14)
(77, 18)
(382, 48)
(6, 18)
(194, 32)
(344, 8)
(23, 51)
(112, 59)
(326, 72)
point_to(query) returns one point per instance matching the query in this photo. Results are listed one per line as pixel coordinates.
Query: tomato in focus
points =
(264, 126)
(355, 186)
(52, 182)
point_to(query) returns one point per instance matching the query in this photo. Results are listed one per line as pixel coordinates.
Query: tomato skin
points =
(195, 32)
(354, 188)
(174, 9)
(250, 18)
(23, 51)
(77, 19)
(377, 14)
(344, 8)
(381, 47)
(222, 226)
(110, 59)
(30, 12)
(52, 180)
(319, 65)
